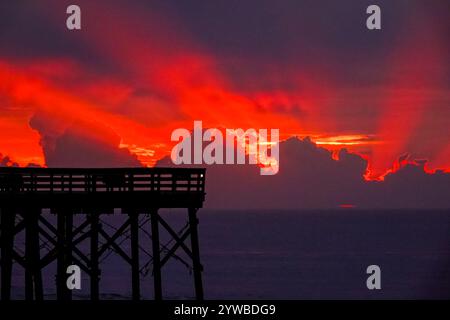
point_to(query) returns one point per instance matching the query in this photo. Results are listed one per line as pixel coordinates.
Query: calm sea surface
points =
(295, 255)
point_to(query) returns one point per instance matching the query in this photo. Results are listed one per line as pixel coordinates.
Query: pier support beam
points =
(156, 254)
(193, 222)
(95, 270)
(33, 276)
(64, 252)
(8, 217)
(134, 233)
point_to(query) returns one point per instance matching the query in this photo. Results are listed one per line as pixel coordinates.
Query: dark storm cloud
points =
(34, 30)
(276, 28)
(296, 34)
(310, 179)
(254, 33)
(74, 150)
(81, 145)
(6, 161)
(27, 33)
(292, 33)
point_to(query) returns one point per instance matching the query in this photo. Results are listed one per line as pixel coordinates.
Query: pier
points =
(90, 194)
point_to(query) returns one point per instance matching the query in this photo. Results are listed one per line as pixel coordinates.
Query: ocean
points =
(293, 255)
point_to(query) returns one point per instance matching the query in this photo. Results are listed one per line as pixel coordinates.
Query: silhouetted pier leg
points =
(7, 241)
(68, 248)
(28, 255)
(33, 277)
(38, 285)
(64, 258)
(193, 222)
(95, 272)
(61, 269)
(28, 262)
(134, 230)
(156, 254)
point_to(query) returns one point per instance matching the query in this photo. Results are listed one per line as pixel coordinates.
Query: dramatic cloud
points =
(309, 178)
(81, 145)
(7, 162)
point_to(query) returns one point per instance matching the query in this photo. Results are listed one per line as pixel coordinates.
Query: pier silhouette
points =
(89, 194)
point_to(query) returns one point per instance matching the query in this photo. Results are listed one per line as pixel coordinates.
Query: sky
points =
(137, 70)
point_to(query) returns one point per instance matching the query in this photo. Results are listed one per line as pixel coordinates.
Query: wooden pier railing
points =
(55, 180)
(111, 187)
